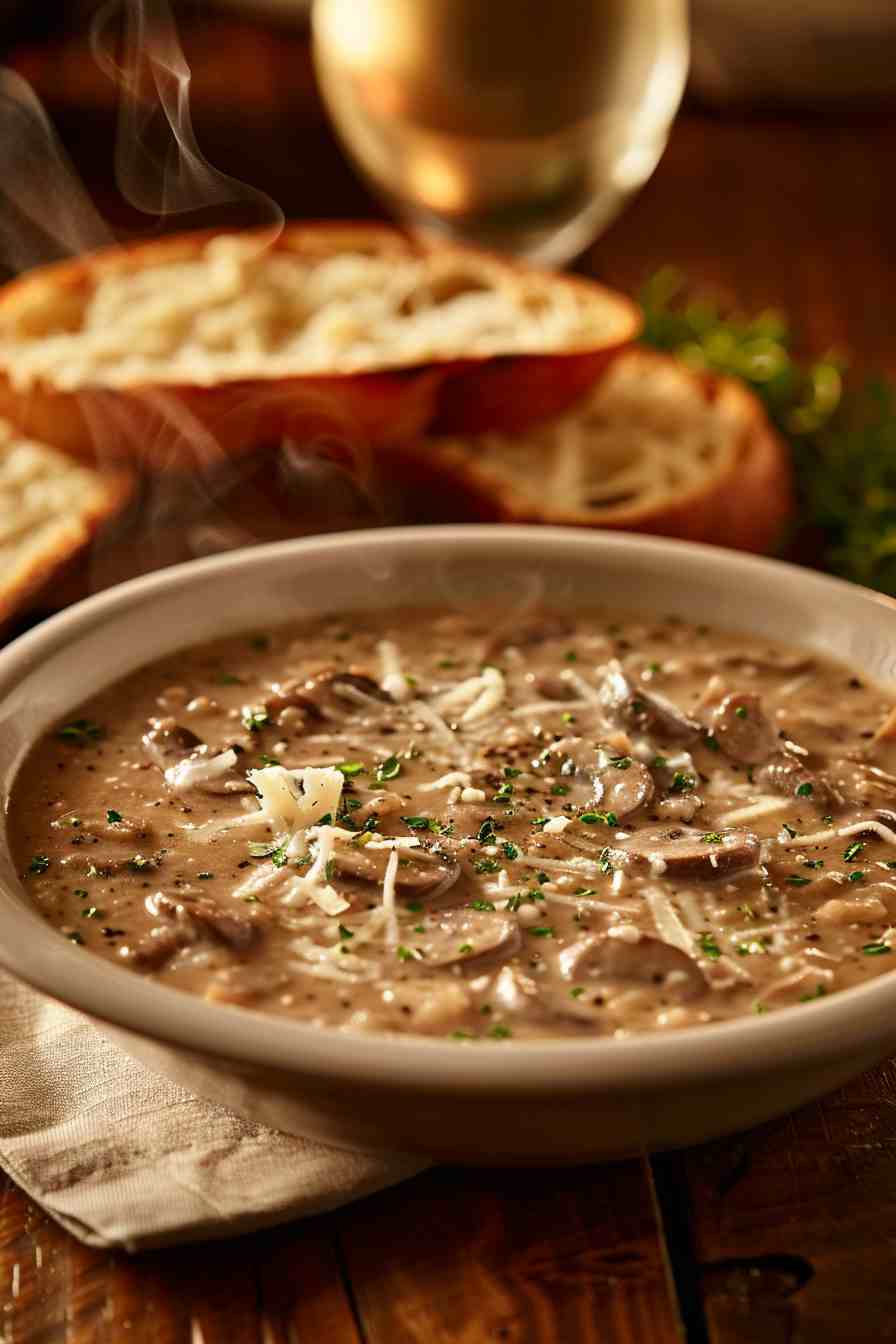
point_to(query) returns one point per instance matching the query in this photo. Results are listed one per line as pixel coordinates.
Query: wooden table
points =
(787, 1233)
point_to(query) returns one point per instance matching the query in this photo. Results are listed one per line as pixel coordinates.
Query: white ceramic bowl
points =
(564, 1100)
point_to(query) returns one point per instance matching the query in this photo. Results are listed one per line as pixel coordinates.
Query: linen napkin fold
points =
(121, 1157)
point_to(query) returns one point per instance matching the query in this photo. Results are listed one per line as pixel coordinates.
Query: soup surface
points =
(476, 825)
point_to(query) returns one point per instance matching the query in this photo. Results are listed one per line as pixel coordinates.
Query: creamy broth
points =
(476, 825)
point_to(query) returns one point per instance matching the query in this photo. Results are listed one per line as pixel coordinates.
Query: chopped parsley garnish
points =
(577, 992)
(818, 993)
(568, 717)
(603, 863)
(404, 953)
(797, 880)
(592, 818)
(712, 837)
(499, 1032)
(711, 741)
(462, 1036)
(94, 912)
(425, 824)
(75, 937)
(504, 794)
(227, 679)
(486, 865)
(741, 711)
(39, 863)
(560, 790)
(81, 731)
(82, 893)
(541, 931)
(254, 718)
(278, 859)
(205, 877)
(481, 905)
(112, 815)
(446, 662)
(344, 934)
(414, 906)
(681, 783)
(876, 949)
(708, 946)
(465, 947)
(139, 862)
(620, 762)
(270, 760)
(814, 863)
(804, 790)
(486, 831)
(747, 911)
(856, 876)
(753, 949)
(350, 769)
(659, 762)
(789, 829)
(510, 772)
(853, 851)
(509, 850)
(571, 656)
(388, 769)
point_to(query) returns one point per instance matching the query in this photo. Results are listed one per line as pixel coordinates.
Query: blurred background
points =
(736, 149)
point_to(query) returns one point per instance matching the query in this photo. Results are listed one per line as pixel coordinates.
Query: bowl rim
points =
(35, 953)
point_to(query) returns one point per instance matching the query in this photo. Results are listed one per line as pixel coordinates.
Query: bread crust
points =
(179, 424)
(746, 505)
(27, 577)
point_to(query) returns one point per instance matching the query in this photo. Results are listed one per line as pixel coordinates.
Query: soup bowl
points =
(519, 1102)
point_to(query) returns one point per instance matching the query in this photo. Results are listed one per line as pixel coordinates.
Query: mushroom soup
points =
(471, 825)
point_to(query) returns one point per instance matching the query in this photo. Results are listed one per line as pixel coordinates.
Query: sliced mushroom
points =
(464, 937)
(523, 633)
(552, 687)
(645, 711)
(372, 804)
(325, 695)
(623, 788)
(791, 776)
(646, 961)
(681, 851)
(419, 870)
(168, 742)
(742, 730)
(151, 950)
(239, 929)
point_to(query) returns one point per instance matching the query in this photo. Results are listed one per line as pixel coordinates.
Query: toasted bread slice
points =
(50, 508)
(180, 349)
(652, 447)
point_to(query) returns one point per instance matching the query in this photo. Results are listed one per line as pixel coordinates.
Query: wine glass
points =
(520, 125)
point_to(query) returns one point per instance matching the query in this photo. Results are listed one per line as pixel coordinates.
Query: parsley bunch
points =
(843, 437)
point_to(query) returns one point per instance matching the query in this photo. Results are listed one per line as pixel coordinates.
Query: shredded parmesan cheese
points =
(389, 898)
(392, 679)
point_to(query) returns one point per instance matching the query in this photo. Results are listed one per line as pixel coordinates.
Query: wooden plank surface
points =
(794, 1224)
(523, 1257)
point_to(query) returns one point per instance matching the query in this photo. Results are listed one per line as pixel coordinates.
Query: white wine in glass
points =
(521, 125)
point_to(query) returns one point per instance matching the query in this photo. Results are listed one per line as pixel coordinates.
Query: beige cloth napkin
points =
(121, 1157)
